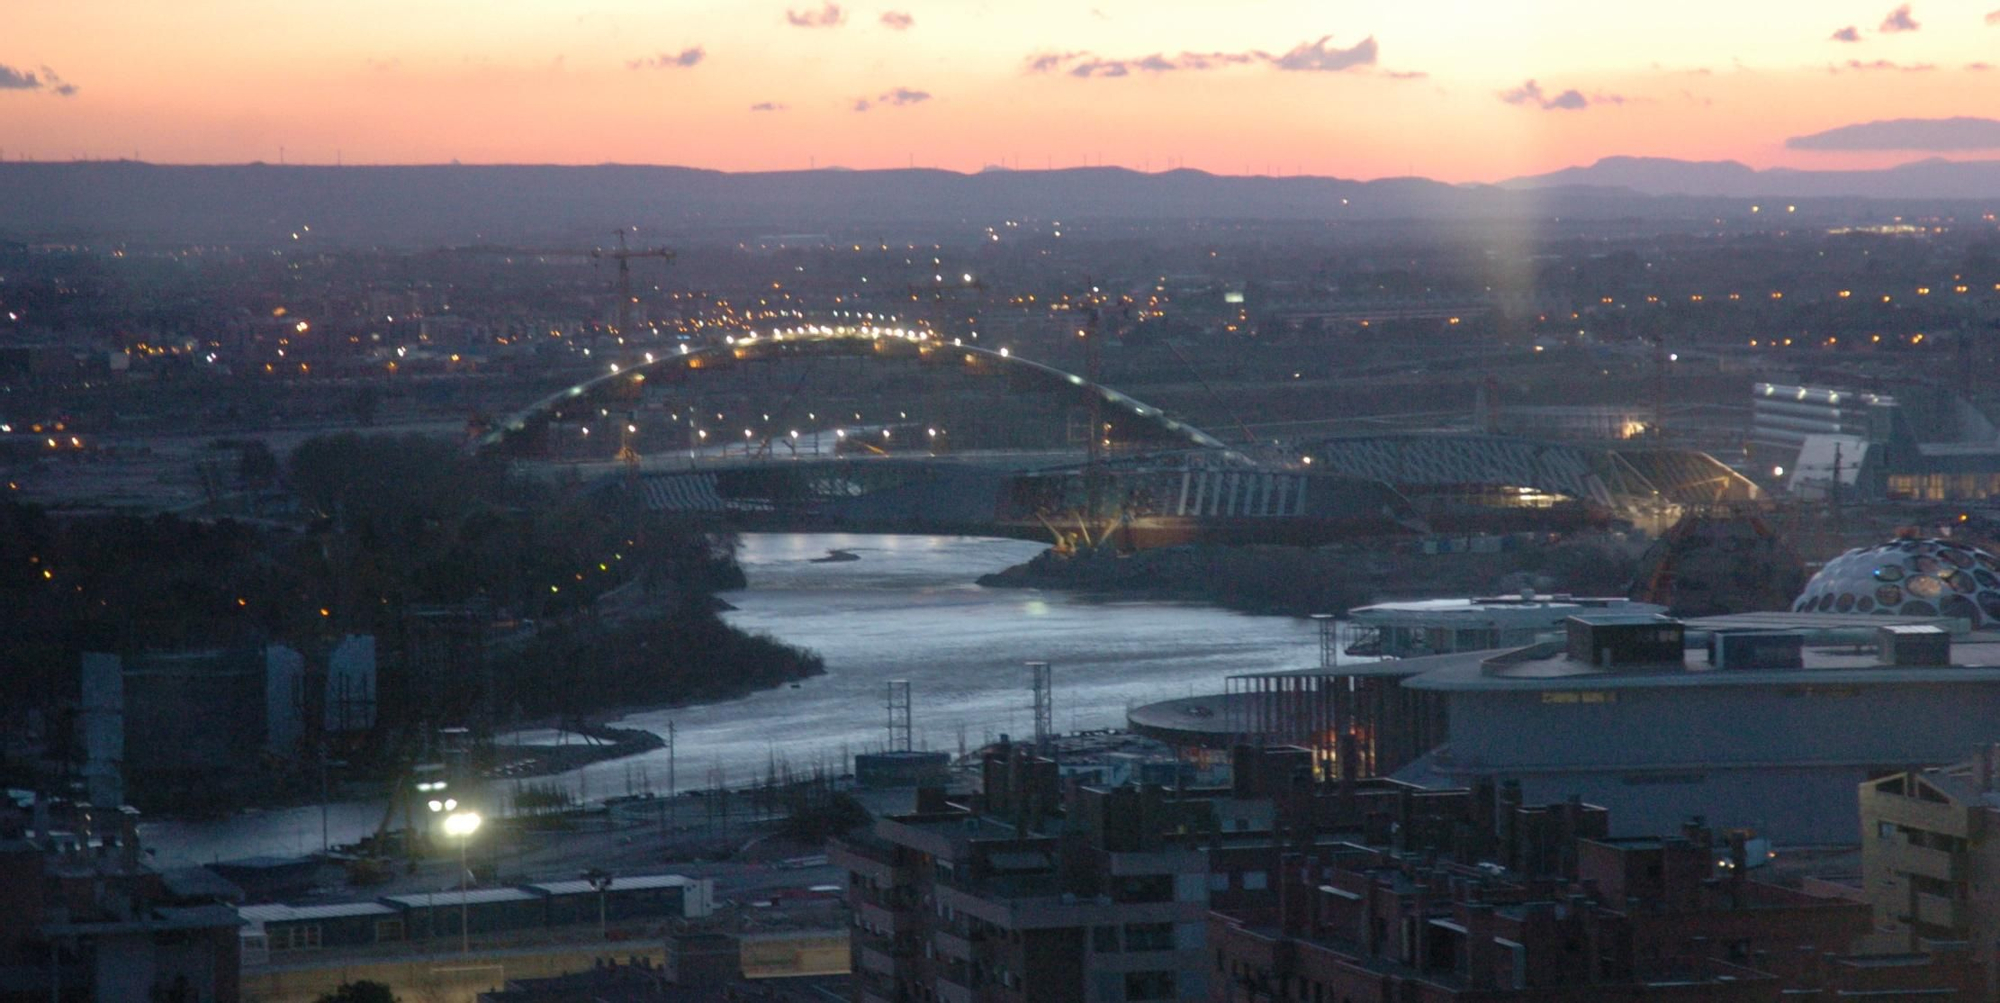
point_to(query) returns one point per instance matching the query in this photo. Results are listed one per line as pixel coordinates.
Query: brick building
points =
(1620, 919)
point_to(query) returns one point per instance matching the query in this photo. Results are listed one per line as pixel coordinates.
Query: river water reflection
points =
(908, 609)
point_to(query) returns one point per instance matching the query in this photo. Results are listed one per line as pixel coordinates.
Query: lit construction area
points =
(1357, 720)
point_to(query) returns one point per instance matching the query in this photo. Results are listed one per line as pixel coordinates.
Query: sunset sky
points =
(1461, 91)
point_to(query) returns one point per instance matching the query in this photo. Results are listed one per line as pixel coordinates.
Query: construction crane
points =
(624, 255)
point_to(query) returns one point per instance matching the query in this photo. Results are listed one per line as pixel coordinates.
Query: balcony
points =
(1928, 816)
(952, 945)
(1923, 860)
(860, 860)
(952, 992)
(870, 988)
(1938, 910)
(874, 917)
(871, 959)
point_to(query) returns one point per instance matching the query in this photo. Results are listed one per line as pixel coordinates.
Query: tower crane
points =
(624, 255)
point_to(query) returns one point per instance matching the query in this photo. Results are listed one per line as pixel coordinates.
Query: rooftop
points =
(1549, 666)
(619, 883)
(451, 897)
(278, 913)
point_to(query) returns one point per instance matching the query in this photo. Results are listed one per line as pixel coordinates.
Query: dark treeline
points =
(387, 530)
(685, 653)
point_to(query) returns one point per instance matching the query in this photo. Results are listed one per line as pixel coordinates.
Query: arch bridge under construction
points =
(824, 427)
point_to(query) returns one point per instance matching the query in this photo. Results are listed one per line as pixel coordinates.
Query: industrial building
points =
(1655, 733)
(1463, 480)
(1419, 627)
(148, 718)
(1761, 729)
(276, 930)
(1919, 444)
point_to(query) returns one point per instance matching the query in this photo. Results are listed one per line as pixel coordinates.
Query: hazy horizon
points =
(1275, 87)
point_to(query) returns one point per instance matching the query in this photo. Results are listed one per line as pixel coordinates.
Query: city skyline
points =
(1458, 92)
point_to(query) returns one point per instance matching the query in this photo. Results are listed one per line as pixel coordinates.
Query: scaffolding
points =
(1358, 721)
(1044, 707)
(899, 715)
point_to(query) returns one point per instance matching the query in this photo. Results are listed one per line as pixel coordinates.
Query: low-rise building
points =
(82, 916)
(1930, 853)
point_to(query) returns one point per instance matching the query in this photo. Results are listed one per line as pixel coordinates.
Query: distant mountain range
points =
(452, 204)
(1934, 178)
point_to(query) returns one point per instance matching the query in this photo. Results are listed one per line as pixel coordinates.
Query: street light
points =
(600, 880)
(460, 824)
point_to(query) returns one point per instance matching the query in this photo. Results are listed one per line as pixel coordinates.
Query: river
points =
(908, 609)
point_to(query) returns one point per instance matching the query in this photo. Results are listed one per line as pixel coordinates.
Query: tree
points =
(363, 991)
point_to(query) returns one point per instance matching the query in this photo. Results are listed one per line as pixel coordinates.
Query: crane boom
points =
(624, 255)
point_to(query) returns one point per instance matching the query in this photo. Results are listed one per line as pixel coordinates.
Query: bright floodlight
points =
(436, 806)
(461, 824)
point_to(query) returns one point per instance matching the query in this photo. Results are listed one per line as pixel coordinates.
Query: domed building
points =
(1909, 578)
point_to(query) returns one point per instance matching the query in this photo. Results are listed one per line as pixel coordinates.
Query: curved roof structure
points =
(1609, 477)
(865, 341)
(1909, 578)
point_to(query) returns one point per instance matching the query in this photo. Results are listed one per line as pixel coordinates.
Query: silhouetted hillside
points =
(452, 204)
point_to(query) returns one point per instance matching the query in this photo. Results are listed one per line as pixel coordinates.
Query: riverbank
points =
(594, 744)
(1301, 581)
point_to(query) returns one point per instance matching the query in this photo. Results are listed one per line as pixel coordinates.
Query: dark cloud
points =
(42, 79)
(828, 16)
(683, 59)
(898, 20)
(1084, 64)
(1936, 134)
(767, 106)
(894, 97)
(1049, 62)
(1857, 66)
(1318, 57)
(1531, 94)
(1899, 20)
(1847, 34)
(1095, 67)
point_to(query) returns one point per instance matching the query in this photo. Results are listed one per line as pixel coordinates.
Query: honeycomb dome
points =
(1909, 578)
